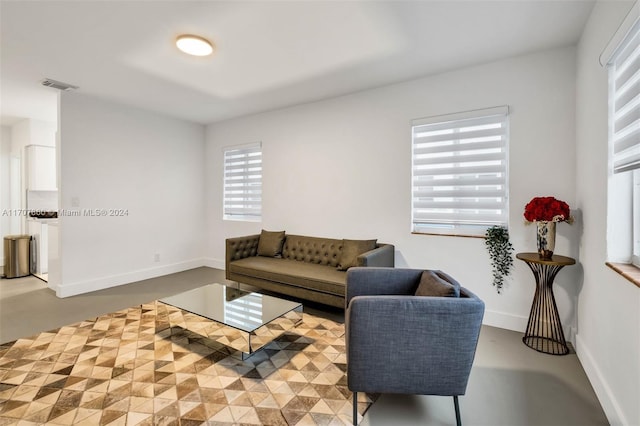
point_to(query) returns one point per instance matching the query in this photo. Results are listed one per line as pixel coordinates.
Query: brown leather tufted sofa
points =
(307, 269)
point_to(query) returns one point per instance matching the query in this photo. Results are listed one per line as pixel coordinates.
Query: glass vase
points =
(546, 239)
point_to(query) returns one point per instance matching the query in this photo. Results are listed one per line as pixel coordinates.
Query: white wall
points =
(5, 175)
(43, 133)
(341, 168)
(117, 157)
(20, 136)
(608, 340)
(32, 132)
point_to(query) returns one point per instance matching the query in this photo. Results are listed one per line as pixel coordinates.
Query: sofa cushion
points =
(270, 243)
(299, 274)
(323, 251)
(438, 284)
(351, 249)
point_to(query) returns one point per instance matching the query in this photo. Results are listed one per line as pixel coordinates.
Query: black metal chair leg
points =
(355, 409)
(457, 406)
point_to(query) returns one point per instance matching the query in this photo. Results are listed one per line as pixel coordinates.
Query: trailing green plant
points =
(500, 252)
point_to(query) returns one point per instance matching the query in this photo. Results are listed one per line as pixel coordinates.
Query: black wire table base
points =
(544, 330)
(546, 345)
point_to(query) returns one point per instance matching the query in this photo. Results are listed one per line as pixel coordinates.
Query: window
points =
(635, 258)
(459, 172)
(624, 148)
(243, 182)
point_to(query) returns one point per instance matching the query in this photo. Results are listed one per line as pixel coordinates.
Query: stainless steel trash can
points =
(16, 256)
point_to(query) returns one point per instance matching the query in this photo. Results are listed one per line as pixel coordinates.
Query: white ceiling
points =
(269, 54)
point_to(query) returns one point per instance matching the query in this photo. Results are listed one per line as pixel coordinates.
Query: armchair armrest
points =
(379, 281)
(412, 344)
(381, 256)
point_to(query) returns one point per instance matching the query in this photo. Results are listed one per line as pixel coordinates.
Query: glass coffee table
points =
(242, 320)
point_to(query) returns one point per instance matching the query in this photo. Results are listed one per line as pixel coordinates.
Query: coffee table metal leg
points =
(288, 317)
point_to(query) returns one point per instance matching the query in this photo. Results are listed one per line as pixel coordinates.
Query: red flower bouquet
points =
(547, 209)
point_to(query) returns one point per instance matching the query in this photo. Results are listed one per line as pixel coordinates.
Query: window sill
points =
(627, 270)
(448, 235)
(242, 218)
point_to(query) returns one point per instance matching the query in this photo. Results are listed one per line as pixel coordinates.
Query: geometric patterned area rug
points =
(131, 368)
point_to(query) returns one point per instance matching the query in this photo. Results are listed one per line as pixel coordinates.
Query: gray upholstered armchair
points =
(405, 344)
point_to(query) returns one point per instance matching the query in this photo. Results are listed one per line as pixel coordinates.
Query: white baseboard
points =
(505, 320)
(214, 263)
(570, 335)
(611, 408)
(518, 323)
(66, 290)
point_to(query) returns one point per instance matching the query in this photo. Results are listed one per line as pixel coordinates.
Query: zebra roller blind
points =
(624, 127)
(459, 172)
(243, 182)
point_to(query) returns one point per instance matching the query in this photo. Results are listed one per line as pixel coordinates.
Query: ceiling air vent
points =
(57, 84)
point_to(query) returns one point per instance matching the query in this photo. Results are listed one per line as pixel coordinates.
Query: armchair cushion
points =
(270, 244)
(438, 284)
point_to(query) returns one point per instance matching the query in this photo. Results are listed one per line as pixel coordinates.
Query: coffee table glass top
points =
(232, 307)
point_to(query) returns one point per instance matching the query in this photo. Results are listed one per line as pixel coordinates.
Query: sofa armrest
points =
(415, 345)
(240, 247)
(382, 256)
(381, 281)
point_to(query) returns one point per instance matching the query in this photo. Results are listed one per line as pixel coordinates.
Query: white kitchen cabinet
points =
(41, 168)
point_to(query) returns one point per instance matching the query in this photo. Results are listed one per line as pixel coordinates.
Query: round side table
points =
(544, 329)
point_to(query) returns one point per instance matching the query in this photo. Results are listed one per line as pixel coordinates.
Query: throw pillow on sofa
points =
(438, 284)
(351, 249)
(270, 243)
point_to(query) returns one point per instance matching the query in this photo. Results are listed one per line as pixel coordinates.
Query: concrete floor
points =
(510, 384)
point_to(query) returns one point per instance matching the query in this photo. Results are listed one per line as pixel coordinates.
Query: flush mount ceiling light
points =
(194, 45)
